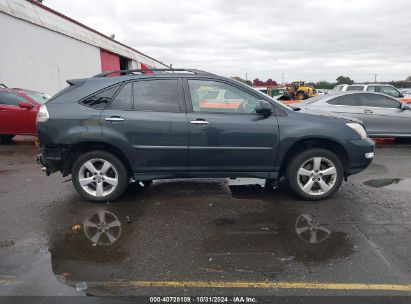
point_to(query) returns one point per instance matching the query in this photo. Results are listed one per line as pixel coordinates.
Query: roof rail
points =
(2, 85)
(146, 71)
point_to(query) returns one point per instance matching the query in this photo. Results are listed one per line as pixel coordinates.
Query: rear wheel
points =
(6, 137)
(315, 174)
(99, 176)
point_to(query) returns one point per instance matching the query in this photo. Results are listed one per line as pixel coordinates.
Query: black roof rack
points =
(151, 71)
(2, 85)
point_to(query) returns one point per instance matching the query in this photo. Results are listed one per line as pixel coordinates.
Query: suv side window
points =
(159, 95)
(379, 101)
(233, 100)
(372, 89)
(122, 101)
(347, 100)
(101, 99)
(390, 91)
(10, 99)
(355, 88)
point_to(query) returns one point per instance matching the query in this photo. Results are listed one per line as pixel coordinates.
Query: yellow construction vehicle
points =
(299, 91)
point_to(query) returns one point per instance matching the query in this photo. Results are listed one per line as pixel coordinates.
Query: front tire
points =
(315, 174)
(300, 96)
(99, 176)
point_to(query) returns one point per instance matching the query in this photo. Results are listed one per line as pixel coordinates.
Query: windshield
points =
(39, 98)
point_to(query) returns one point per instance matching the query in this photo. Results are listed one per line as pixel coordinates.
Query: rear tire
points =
(315, 174)
(99, 176)
(6, 137)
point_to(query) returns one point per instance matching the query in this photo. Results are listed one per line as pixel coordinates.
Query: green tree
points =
(322, 84)
(344, 80)
(238, 78)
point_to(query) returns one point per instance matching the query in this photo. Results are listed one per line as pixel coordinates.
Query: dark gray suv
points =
(108, 132)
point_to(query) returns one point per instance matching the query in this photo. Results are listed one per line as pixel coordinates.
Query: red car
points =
(18, 111)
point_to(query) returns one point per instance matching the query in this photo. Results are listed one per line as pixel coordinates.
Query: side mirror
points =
(400, 95)
(263, 108)
(25, 105)
(404, 106)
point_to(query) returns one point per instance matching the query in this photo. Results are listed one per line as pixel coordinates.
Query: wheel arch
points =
(309, 143)
(80, 148)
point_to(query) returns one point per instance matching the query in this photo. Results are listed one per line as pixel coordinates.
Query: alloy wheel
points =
(317, 176)
(98, 177)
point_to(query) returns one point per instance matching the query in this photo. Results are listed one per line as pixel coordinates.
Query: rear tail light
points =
(42, 114)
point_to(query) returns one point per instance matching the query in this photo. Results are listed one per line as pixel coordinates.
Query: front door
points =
(148, 117)
(226, 135)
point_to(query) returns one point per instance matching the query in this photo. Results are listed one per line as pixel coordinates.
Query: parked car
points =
(218, 99)
(321, 91)
(373, 87)
(147, 126)
(18, 111)
(382, 115)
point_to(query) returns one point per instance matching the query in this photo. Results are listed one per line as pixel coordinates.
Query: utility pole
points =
(246, 74)
(282, 78)
(375, 77)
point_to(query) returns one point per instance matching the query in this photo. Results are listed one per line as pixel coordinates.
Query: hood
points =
(329, 114)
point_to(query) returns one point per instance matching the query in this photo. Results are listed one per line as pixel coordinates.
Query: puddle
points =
(401, 184)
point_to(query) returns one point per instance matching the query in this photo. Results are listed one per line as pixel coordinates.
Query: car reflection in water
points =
(191, 230)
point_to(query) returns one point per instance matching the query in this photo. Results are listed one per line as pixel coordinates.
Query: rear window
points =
(100, 99)
(355, 88)
(39, 98)
(346, 100)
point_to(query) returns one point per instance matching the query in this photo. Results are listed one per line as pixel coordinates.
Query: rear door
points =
(13, 119)
(147, 118)
(229, 137)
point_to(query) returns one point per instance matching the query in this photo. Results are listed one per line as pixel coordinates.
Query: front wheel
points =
(315, 174)
(300, 96)
(99, 176)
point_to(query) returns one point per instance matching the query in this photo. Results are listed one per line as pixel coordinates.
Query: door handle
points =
(368, 111)
(114, 119)
(200, 122)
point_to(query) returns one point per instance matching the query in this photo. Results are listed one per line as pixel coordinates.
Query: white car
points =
(372, 87)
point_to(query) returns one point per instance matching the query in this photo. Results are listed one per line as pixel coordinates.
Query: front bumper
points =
(360, 154)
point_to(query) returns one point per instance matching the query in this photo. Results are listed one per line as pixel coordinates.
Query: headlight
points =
(358, 128)
(42, 114)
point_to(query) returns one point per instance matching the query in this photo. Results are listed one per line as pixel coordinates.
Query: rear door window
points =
(160, 95)
(346, 100)
(355, 88)
(10, 99)
(123, 100)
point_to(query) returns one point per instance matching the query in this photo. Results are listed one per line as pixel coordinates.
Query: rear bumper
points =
(50, 159)
(360, 154)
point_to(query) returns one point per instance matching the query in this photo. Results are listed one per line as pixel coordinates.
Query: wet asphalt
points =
(217, 230)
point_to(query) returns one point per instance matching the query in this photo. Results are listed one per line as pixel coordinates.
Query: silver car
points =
(382, 115)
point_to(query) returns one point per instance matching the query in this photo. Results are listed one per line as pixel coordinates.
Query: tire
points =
(91, 173)
(300, 96)
(328, 173)
(6, 137)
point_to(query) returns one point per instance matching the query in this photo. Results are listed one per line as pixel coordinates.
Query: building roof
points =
(41, 15)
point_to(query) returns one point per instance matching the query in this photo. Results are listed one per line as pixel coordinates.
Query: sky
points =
(310, 40)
